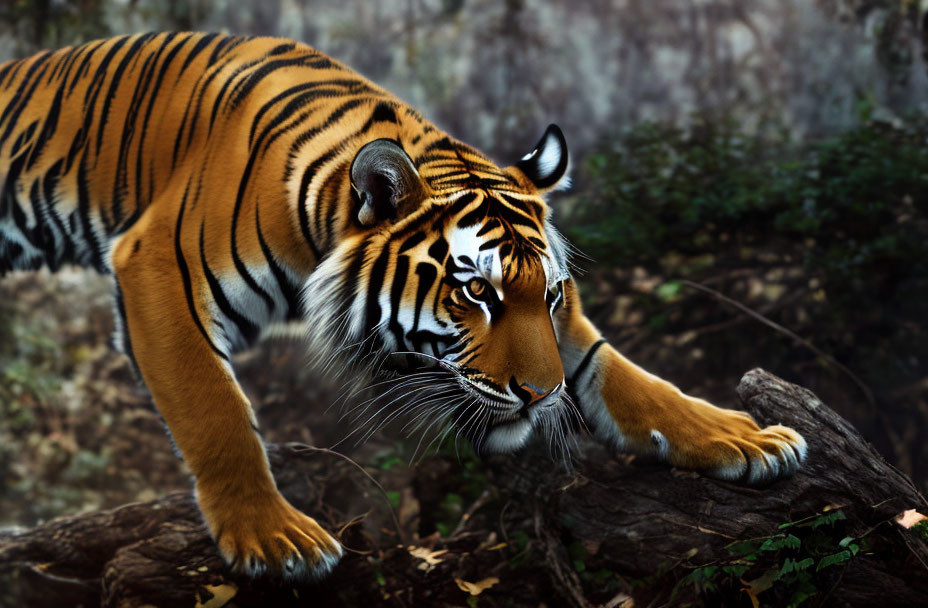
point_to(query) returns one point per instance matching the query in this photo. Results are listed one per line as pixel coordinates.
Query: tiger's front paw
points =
(729, 445)
(269, 536)
(757, 455)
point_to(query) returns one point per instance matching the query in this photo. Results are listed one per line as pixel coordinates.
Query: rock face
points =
(610, 530)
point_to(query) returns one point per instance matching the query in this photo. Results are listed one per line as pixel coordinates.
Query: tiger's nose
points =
(531, 394)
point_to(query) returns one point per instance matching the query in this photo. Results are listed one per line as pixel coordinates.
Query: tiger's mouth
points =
(496, 422)
(492, 418)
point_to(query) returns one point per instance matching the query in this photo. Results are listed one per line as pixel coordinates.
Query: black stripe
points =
(21, 97)
(121, 182)
(217, 52)
(350, 286)
(116, 81)
(489, 225)
(474, 217)
(126, 346)
(471, 182)
(24, 136)
(99, 75)
(288, 111)
(303, 201)
(490, 244)
(331, 119)
(585, 362)
(438, 250)
(5, 70)
(23, 101)
(217, 101)
(180, 135)
(156, 88)
(185, 275)
(411, 242)
(236, 259)
(85, 63)
(203, 85)
(49, 184)
(461, 203)
(376, 276)
(246, 327)
(291, 292)
(83, 213)
(265, 108)
(333, 184)
(77, 144)
(64, 64)
(48, 129)
(513, 217)
(537, 242)
(384, 112)
(39, 236)
(247, 85)
(427, 274)
(19, 217)
(527, 207)
(201, 44)
(323, 205)
(396, 294)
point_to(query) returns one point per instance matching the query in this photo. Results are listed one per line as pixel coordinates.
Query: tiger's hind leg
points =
(193, 386)
(637, 411)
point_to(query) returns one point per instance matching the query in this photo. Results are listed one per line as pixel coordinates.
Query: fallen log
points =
(612, 531)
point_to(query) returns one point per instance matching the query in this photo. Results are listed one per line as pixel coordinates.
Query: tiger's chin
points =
(507, 437)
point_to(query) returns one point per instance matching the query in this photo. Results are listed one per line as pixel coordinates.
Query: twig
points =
(302, 447)
(793, 335)
(564, 576)
(481, 500)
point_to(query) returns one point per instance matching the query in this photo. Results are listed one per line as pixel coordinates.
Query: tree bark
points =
(614, 529)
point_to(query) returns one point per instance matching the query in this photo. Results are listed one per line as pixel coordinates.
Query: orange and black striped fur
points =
(231, 182)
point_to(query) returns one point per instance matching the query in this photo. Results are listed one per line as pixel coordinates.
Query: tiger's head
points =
(450, 277)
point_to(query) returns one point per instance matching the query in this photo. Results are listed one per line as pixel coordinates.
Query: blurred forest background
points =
(750, 188)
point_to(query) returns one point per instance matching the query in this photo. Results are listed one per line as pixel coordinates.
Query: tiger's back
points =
(90, 136)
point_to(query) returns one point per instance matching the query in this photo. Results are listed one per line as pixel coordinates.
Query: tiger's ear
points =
(546, 165)
(385, 181)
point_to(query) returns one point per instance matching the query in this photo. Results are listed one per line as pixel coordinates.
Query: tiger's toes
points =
(278, 541)
(760, 456)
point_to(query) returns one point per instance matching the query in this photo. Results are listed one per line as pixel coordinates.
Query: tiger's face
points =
(458, 298)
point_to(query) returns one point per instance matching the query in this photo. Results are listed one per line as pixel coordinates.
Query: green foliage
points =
(661, 188)
(786, 565)
(921, 528)
(29, 362)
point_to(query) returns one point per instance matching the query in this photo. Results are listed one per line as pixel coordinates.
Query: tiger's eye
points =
(479, 290)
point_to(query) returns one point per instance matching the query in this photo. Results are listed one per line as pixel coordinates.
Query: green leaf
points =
(763, 582)
(735, 570)
(829, 519)
(844, 541)
(831, 560)
(669, 290)
(789, 565)
(745, 548)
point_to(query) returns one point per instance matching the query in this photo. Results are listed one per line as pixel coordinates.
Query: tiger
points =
(232, 183)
